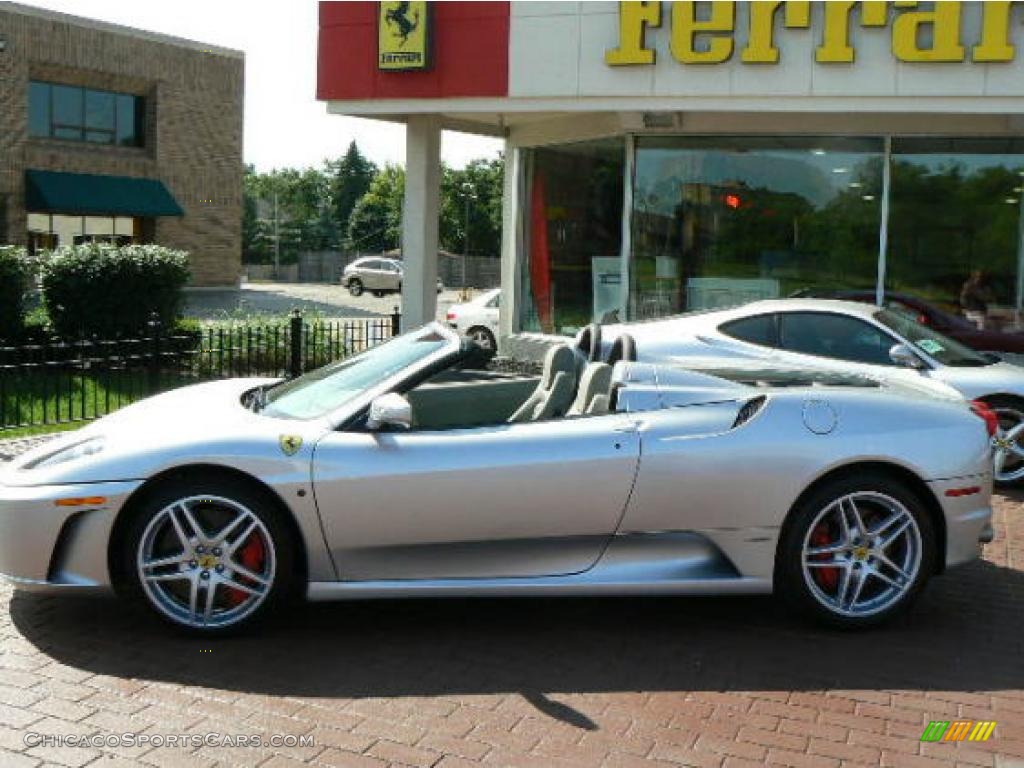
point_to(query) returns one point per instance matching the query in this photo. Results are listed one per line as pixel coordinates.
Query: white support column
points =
(512, 250)
(420, 219)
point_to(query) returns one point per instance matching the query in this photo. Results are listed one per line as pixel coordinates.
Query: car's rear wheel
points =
(856, 552)
(482, 336)
(1008, 459)
(208, 556)
(355, 286)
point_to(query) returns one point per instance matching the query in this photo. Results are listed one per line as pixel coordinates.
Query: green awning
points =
(89, 194)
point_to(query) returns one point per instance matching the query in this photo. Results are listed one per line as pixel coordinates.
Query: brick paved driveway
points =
(654, 682)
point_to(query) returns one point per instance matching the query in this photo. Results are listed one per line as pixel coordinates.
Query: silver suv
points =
(376, 274)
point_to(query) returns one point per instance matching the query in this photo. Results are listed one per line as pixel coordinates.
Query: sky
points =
(285, 126)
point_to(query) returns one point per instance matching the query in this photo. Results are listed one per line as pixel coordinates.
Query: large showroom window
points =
(956, 212)
(720, 221)
(573, 213)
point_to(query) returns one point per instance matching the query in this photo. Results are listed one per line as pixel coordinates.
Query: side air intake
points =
(749, 411)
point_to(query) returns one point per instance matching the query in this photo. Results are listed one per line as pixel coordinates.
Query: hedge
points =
(13, 274)
(109, 291)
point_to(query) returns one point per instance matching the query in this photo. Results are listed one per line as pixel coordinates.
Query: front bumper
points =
(47, 547)
(968, 517)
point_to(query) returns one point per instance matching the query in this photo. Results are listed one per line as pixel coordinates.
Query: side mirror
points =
(904, 357)
(390, 410)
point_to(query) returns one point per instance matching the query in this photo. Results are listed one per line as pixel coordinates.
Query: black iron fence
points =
(60, 382)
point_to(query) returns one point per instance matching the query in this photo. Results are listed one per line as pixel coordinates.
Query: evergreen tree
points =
(350, 179)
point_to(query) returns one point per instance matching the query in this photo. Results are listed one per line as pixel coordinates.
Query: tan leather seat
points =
(596, 381)
(554, 392)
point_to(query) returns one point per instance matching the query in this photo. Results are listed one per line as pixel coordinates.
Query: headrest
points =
(559, 359)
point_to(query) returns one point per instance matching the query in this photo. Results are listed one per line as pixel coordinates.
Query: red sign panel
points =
(470, 54)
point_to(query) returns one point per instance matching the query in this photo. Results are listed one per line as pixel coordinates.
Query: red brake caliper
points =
(827, 578)
(251, 556)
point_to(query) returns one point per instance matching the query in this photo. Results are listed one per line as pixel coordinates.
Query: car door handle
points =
(630, 426)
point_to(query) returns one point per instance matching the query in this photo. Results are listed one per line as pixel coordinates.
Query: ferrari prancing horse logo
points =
(403, 36)
(290, 444)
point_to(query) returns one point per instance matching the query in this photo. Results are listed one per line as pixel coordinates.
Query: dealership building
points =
(110, 134)
(677, 156)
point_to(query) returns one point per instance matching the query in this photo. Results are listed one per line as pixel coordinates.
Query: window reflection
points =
(956, 210)
(84, 114)
(572, 273)
(719, 222)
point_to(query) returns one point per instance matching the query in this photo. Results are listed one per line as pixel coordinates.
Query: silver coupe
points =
(406, 471)
(884, 343)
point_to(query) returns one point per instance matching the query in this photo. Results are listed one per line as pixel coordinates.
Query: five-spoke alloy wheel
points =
(1008, 443)
(856, 552)
(208, 562)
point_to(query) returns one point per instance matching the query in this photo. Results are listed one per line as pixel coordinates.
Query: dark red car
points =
(949, 324)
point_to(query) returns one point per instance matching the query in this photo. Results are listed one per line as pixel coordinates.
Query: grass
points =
(73, 387)
(51, 401)
(44, 429)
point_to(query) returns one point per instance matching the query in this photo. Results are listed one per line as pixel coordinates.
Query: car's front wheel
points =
(208, 556)
(856, 552)
(355, 286)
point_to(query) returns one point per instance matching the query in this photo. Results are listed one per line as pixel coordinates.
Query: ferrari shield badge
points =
(290, 444)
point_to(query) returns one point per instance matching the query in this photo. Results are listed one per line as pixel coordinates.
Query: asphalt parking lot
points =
(581, 682)
(255, 300)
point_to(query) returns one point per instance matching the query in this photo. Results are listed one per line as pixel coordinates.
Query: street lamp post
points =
(468, 197)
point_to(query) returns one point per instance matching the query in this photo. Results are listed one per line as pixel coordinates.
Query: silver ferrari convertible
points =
(409, 470)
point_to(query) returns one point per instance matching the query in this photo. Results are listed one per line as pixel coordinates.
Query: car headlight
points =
(89, 447)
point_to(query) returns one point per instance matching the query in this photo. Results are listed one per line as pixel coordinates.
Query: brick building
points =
(114, 134)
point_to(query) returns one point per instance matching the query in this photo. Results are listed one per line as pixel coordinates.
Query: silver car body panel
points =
(475, 502)
(647, 499)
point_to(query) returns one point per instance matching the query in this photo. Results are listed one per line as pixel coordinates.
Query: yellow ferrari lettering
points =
(687, 30)
(707, 32)
(835, 45)
(760, 48)
(634, 19)
(943, 20)
(995, 42)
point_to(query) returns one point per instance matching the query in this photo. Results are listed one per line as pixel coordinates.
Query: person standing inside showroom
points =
(974, 298)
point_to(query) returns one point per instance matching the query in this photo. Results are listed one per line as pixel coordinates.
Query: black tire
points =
(1010, 411)
(803, 593)
(483, 337)
(355, 287)
(286, 581)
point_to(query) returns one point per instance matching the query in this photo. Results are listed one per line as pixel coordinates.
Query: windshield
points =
(326, 389)
(934, 344)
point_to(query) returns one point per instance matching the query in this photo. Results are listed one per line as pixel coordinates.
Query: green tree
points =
(350, 179)
(256, 247)
(376, 221)
(480, 184)
(303, 213)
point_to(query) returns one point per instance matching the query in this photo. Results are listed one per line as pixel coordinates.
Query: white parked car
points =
(850, 336)
(478, 319)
